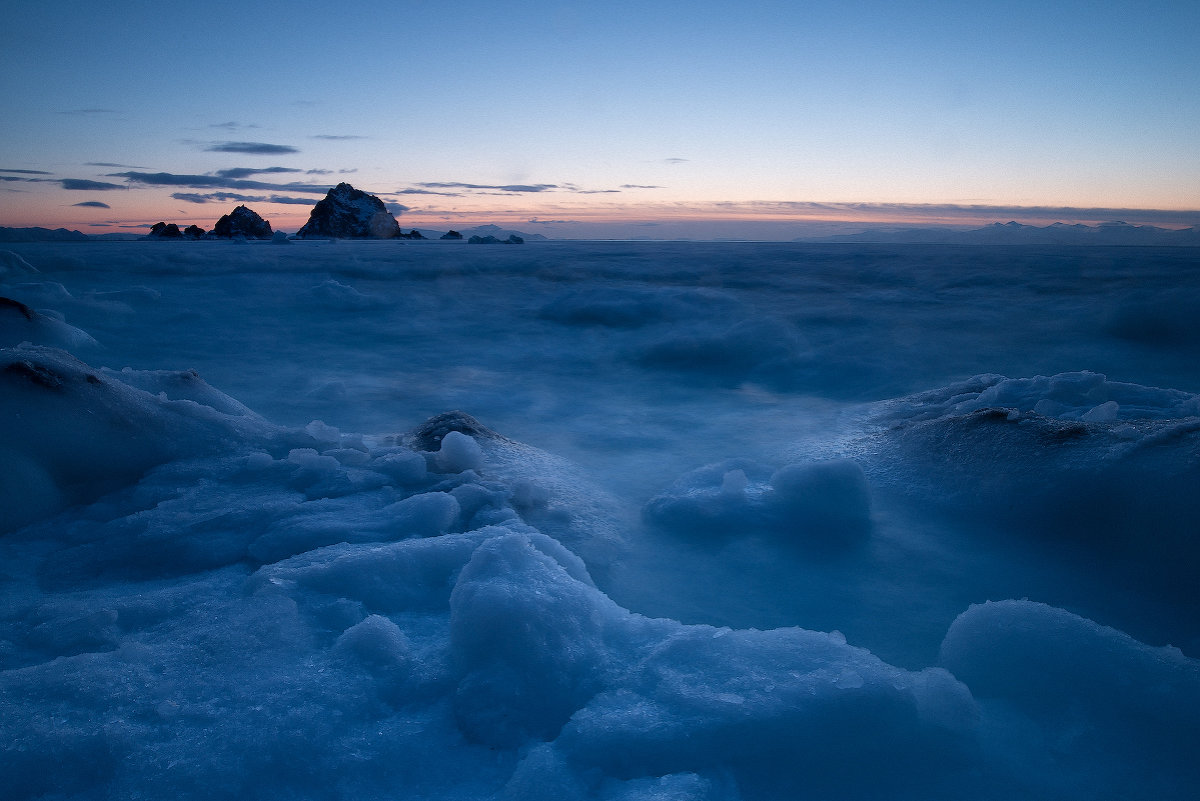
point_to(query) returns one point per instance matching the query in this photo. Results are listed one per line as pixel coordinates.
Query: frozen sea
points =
(599, 520)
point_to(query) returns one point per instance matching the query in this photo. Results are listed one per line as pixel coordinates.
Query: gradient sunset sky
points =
(564, 119)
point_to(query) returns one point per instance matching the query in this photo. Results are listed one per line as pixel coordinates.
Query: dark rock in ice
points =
(193, 232)
(8, 304)
(20, 323)
(37, 374)
(162, 230)
(452, 235)
(428, 436)
(242, 221)
(349, 213)
(413, 234)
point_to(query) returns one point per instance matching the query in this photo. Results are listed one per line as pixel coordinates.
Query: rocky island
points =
(349, 213)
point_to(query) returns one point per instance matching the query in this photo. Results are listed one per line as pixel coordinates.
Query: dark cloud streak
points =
(251, 148)
(226, 197)
(89, 186)
(513, 188)
(214, 182)
(246, 172)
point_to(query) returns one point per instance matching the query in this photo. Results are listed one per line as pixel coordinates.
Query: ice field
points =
(598, 520)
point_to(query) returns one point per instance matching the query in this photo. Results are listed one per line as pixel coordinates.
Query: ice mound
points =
(548, 492)
(1116, 695)
(13, 264)
(536, 654)
(1083, 396)
(334, 294)
(19, 324)
(823, 505)
(1106, 470)
(69, 433)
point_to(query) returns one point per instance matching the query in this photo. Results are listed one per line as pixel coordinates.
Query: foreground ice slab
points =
(229, 608)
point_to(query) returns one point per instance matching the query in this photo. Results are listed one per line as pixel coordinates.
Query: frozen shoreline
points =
(216, 600)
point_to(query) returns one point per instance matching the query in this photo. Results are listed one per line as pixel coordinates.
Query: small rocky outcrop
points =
(513, 239)
(162, 230)
(349, 213)
(193, 232)
(452, 235)
(242, 222)
(413, 234)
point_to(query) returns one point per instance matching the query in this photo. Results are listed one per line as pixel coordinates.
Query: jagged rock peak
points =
(242, 221)
(349, 213)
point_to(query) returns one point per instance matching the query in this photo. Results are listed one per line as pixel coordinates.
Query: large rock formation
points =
(162, 230)
(349, 213)
(242, 222)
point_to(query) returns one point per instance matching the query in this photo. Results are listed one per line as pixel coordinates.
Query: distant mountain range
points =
(1014, 233)
(41, 235)
(485, 230)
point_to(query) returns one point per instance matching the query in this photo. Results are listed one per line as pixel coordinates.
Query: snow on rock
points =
(349, 213)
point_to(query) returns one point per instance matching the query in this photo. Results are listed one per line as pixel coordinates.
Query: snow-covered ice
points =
(607, 521)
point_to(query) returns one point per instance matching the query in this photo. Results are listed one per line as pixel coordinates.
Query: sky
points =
(567, 119)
